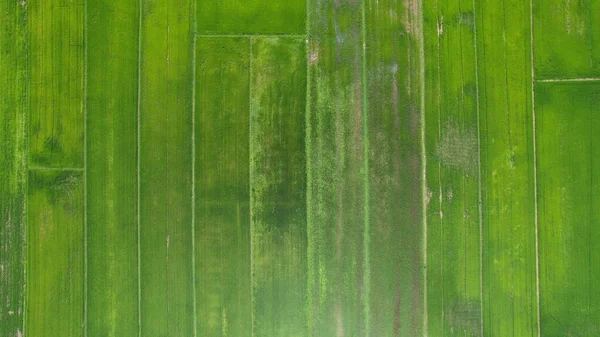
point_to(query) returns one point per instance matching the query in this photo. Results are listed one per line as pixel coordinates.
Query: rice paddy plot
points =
(568, 198)
(222, 226)
(111, 162)
(453, 172)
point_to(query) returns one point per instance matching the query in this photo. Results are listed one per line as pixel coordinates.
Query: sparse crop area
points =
(299, 168)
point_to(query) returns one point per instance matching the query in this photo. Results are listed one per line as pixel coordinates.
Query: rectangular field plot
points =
(452, 139)
(507, 168)
(569, 200)
(13, 164)
(251, 16)
(277, 186)
(567, 38)
(391, 84)
(55, 264)
(222, 229)
(165, 150)
(112, 226)
(56, 92)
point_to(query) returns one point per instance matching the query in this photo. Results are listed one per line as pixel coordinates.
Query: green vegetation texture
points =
(13, 164)
(315, 168)
(567, 38)
(251, 17)
(568, 175)
(222, 233)
(55, 254)
(111, 152)
(453, 170)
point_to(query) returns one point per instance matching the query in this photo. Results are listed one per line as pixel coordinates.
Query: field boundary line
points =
(195, 319)
(424, 165)
(439, 164)
(26, 123)
(551, 80)
(367, 225)
(85, 171)
(535, 182)
(480, 189)
(295, 36)
(42, 168)
(138, 161)
(250, 175)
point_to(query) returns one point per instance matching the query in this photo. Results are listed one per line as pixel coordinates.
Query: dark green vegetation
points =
(311, 168)
(569, 176)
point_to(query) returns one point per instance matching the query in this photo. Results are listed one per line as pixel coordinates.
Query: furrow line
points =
(41, 168)
(138, 107)
(193, 227)
(296, 36)
(85, 173)
(250, 181)
(535, 184)
(551, 80)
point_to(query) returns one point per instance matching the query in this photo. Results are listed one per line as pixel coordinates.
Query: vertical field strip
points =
(193, 227)
(138, 152)
(85, 172)
(310, 228)
(423, 162)
(535, 182)
(250, 183)
(26, 202)
(480, 203)
(367, 227)
(13, 162)
(439, 135)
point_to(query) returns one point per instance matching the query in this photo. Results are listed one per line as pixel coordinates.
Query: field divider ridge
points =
(551, 80)
(535, 182)
(423, 163)
(193, 140)
(250, 183)
(294, 36)
(480, 188)
(85, 171)
(43, 168)
(138, 155)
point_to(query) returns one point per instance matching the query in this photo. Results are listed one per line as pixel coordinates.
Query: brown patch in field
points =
(465, 316)
(314, 55)
(569, 22)
(428, 196)
(46, 224)
(458, 148)
(567, 16)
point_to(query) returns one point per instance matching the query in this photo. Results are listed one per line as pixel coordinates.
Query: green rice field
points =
(300, 168)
